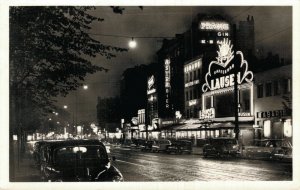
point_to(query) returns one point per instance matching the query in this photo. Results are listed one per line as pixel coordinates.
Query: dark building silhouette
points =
(246, 37)
(133, 93)
(109, 113)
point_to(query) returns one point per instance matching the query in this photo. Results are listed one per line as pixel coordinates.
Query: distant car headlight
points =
(235, 146)
(117, 178)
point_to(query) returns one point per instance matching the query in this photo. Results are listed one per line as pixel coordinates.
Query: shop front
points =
(227, 97)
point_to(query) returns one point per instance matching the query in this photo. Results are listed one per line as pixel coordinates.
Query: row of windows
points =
(274, 88)
(193, 94)
(191, 76)
(192, 113)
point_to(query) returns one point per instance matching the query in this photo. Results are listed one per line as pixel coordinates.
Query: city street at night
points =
(139, 166)
(141, 93)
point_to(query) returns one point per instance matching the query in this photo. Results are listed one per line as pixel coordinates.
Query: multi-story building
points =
(273, 103)
(246, 37)
(192, 87)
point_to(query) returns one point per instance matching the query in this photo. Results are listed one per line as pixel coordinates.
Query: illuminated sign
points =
(191, 83)
(244, 114)
(207, 114)
(134, 120)
(151, 88)
(268, 114)
(193, 102)
(167, 81)
(221, 72)
(223, 34)
(214, 25)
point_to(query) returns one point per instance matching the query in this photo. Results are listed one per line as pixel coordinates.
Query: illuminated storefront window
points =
(267, 128)
(287, 127)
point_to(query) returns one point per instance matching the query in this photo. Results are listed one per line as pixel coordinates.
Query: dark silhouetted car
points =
(179, 147)
(77, 160)
(220, 147)
(147, 146)
(270, 149)
(138, 143)
(160, 145)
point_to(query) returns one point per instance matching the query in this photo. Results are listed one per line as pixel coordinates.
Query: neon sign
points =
(213, 25)
(220, 72)
(151, 88)
(167, 81)
(207, 114)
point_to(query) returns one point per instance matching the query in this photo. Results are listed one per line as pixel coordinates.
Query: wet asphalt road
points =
(145, 166)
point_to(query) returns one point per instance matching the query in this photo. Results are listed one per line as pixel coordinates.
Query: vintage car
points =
(270, 149)
(147, 146)
(138, 143)
(77, 160)
(127, 143)
(179, 147)
(160, 145)
(220, 147)
(38, 146)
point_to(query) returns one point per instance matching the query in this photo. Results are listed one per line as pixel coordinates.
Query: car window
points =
(71, 154)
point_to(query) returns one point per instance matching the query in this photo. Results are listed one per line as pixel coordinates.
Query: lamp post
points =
(84, 87)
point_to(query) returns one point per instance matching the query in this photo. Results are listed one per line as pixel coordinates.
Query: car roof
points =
(58, 144)
(223, 138)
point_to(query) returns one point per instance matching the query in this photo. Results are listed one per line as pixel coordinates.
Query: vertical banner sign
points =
(167, 82)
(221, 72)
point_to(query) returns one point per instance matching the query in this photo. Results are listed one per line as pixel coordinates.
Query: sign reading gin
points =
(221, 71)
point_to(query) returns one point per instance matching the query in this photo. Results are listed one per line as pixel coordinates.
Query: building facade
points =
(273, 103)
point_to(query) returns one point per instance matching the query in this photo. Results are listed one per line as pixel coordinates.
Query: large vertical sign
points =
(167, 82)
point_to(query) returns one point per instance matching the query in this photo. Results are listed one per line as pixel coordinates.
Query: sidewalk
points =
(26, 171)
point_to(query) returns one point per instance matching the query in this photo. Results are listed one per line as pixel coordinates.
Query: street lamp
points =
(132, 43)
(85, 87)
(65, 107)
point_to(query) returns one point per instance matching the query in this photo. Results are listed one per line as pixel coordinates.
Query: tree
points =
(50, 51)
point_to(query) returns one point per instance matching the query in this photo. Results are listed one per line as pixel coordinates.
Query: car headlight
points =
(235, 146)
(117, 178)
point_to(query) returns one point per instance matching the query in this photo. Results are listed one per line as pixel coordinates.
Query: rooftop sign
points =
(214, 25)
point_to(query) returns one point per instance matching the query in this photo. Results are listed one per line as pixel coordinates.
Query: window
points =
(276, 88)
(186, 77)
(287, 86)
(207, 102)
(191, 76)
(260, 91)
(186, 96)
(195, 75)
(191, 94)
(202, 41)
(195, 94)
(211, 41)
(268, 89)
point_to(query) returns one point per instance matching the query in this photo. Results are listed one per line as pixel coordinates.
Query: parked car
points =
(138, 143)
(147, 146)
(270, 149)
(179, 147)
(37, 148)
(223, 146)
(77, 160)
(160, 145)
(127, 143)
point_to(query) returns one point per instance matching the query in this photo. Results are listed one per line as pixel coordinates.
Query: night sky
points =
(273, 32)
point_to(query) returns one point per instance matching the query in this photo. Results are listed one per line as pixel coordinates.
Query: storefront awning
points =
(225, 125)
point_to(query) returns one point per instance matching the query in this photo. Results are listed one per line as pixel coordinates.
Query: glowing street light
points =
(132, 44)
(85, 87)
(65, 107)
